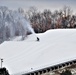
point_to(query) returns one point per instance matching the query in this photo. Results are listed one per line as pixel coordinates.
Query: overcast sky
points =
(40, 4)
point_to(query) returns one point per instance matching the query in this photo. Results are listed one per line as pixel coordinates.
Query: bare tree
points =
(65, 11)
(3, 10)
(33, 10)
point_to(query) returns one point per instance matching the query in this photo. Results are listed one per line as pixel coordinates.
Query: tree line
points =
(42, 21)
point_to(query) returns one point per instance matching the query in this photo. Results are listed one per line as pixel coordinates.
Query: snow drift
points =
(55, 46)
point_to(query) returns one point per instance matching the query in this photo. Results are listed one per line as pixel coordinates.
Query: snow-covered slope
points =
(55, 46)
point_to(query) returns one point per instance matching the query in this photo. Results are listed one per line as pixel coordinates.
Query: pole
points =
(1, 62)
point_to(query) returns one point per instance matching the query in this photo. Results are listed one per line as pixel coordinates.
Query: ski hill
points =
(55, 47)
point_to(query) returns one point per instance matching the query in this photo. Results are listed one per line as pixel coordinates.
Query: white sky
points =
(40, 4)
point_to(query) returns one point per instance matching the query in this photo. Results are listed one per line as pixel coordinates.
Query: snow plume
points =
(12, 23)
(24, 25)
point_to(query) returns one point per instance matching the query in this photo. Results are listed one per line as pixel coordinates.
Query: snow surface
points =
(55, 46)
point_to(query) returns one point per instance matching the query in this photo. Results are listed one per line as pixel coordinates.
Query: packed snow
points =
(55, 46)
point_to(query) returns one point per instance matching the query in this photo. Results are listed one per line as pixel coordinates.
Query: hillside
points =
(55, 46)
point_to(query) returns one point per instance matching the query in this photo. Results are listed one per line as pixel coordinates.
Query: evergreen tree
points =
(3, 71)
